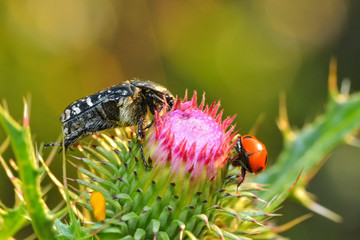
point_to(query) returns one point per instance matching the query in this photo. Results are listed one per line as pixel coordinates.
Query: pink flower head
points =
(192, 138)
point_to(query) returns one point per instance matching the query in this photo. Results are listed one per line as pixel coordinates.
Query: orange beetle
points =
(251, 156)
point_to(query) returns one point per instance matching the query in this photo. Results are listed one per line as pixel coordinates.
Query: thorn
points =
(215, 109)
(74, 165)
(305, 200)
(332, 80)
(259, 199)
(202, 102)
(194, 100)
(78, 158)
(185, 96)
(13, 165)
(258, 122)
(352, 141)
(283, 120)
(273, 214)
(291, 224)
(182, 228)
(345, 87)
(26, 120)
(219, 117)
(210, 109)
(296, 181)
(258, 223)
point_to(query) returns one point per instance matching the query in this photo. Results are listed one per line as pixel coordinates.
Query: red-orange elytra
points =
(251, 156)
(98, 204)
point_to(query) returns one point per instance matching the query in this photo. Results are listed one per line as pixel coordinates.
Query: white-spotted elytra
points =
(121, 105)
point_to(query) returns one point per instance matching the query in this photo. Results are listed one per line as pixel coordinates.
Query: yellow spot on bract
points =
(98, 204)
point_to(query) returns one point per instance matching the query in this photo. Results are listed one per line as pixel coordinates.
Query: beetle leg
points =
(60, 144)
(153, 120)
(140, 137)
(241, 180)
(53, 144)
(235, 160)
(150, 124)
(231, 178)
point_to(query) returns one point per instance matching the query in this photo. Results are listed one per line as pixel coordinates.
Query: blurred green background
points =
(243, 52)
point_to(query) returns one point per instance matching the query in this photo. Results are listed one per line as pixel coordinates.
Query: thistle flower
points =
(191, 138)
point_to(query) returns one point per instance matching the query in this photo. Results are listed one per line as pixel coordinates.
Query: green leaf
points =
(140, 234)
(204, 218)
(123, 196)
(217, 230)
(145, 214)
(305, 150)
(108, 230)
(190, 235)
(12, 221)
(155, 226)
(127, 238)
(232, 236)
(129, 216)
(72, 231)
(164, 235)
(164, 216)
(97, 166)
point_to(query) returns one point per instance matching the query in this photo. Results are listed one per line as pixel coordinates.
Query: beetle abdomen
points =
(84, 104)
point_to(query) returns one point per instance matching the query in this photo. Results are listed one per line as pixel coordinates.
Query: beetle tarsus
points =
(140, 138)
(241, 178)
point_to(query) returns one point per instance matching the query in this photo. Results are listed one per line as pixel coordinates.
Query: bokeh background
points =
(243, 52)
